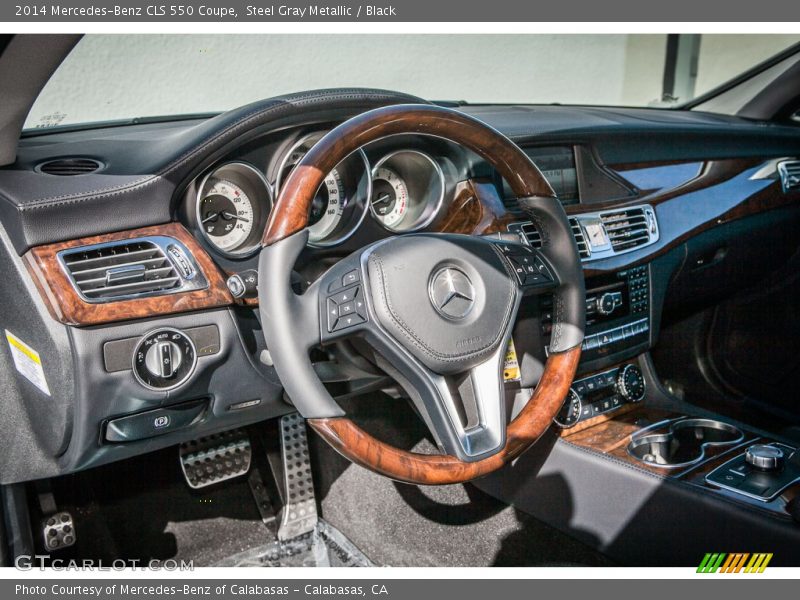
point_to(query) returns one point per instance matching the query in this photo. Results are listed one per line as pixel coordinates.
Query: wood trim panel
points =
(591, 423)
(423, 469)
(66, 306)
(478, 209)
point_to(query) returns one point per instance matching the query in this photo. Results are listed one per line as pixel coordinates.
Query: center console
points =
(709, 454)
(617, 314)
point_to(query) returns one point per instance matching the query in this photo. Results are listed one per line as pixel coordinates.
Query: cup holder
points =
(683, 444)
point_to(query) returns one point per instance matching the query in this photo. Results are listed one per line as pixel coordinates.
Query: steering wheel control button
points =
(164, 359)
(765, 458)
(153, 423)
(346, 308)
(350, 278)
(530, 269)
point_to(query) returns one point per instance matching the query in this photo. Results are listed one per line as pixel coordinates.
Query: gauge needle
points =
(210, 217)
(228, 215)
(380, 199)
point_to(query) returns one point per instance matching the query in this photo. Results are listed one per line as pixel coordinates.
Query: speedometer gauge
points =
(389, 197)
(340, 203)
(231, 210)
(226, 214)
(328, 207)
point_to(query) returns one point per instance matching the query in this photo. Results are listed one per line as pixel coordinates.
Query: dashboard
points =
(652, 197)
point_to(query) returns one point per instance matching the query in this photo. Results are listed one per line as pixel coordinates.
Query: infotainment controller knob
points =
(765, 458)
(630, 383)
(606, 303)
(164, 359)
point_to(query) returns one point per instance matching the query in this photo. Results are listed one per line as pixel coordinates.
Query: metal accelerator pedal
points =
(299, 514)
(218, 457)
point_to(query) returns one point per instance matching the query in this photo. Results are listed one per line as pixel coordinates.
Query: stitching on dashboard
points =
(261, 112)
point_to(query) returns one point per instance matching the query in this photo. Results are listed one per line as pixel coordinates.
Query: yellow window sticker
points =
(511, 365)
(27, 361)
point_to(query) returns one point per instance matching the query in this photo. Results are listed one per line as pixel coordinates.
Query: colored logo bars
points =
(734, 563)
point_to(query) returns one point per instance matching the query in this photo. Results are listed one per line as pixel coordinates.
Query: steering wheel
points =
(437, 308)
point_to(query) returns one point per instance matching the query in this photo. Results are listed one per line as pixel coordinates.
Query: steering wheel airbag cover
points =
(404, 273)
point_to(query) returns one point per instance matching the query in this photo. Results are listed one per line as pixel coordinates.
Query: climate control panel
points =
(164, 359)
(601, 394)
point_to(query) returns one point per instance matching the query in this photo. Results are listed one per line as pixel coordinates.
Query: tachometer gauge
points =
(389, 197)
(340, 204)
(407, 190)
(226, 214)
(233, 202)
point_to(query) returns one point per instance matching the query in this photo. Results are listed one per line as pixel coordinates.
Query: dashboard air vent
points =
(69, 166)
(790, 175)
(626, 229)
(131, 268)
(580, 239)
(531, 234)
(528, 231)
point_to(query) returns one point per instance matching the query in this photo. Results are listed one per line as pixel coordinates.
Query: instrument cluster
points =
(401, 190)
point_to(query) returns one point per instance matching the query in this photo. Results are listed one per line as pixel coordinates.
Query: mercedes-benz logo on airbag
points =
(452, 293)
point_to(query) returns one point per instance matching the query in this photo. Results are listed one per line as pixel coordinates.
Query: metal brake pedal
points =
(216, 458)
(299, 514)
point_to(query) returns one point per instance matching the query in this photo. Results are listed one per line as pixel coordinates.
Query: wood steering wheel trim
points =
(290, 215)
(354, 443)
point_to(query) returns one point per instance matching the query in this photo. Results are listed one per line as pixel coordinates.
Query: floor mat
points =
(326, 546)
(446, 526)
(142, 509)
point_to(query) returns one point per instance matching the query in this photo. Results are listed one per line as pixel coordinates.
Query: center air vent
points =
(580, 239)
(69, 166)
(612, 232)
(130, 269)
(627, 229)
(528, 231)
(790, 175)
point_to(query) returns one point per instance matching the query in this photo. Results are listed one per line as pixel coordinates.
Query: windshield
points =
(123, 77)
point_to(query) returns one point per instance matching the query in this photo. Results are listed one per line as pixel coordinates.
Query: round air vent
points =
(69, 166)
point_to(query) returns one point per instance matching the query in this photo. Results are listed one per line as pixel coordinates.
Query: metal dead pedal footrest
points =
(216, 458)
(299, 515)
